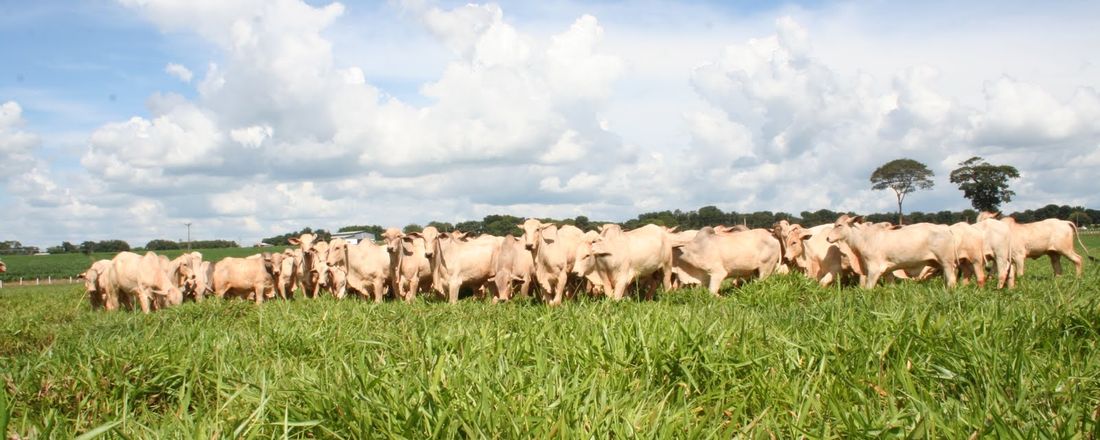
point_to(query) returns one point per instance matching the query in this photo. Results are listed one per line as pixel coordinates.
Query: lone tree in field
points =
(903, 176)
(986, 185)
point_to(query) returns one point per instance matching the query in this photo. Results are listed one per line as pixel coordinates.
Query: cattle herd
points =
(562, 260)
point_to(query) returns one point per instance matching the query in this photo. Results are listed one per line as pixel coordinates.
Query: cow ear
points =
(672, 229)
(294, 241)
(856, 219)
(805, 235)
(520, 226)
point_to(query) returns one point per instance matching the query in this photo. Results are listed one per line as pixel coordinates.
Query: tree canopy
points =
(985, 184)
(903, 176)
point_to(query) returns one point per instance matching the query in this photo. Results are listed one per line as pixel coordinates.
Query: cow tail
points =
(1077, 234)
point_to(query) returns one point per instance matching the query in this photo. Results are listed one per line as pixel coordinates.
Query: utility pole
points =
(188, 224)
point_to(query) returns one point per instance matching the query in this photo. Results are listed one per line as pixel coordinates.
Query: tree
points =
(161, 245)
(903, 176)
(986, 185)
(412, 227)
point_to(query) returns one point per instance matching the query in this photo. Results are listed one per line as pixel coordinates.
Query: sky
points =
(253, 118)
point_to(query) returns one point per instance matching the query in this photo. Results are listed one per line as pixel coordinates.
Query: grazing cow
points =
(554, 250)
(881, 250)
(512, 263)
(719, 255)
(141, 279)
(623, 257)
(311, 275)
(366, 267)
(1051, 237)
(997, 241)
(248, 278)
(458, 260)
(970, 251)
(410, 257)
(95, 283)
(3, 267)
(810, 252)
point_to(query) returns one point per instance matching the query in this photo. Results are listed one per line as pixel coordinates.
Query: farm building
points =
(354, 237)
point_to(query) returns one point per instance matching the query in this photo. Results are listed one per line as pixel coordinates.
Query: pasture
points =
(782, 358)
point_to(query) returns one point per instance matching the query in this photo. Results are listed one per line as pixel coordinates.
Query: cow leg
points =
(872, 277)
(452, 291)
(620, 288)
(966, 270)
(411, 289)
(1076, 259)
(258, 291)
(950, 273)
(379, 285)
(145, 300)
(525, 287)
(826, 279)
(979, 272)
(1055, 262)
(715, 282)
(110, 303)
(559, 288)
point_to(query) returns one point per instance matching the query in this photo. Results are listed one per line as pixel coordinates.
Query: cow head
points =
(3, 267)
(795, 245)
(337, 252)
(308, 244)
(585, 262)
(842, 228)
(533, 232)
(392, 238)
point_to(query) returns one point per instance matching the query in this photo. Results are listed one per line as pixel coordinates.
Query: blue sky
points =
(277, 115)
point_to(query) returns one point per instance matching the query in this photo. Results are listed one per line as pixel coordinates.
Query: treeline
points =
(89, 247)
(502, 225)
(13, 247)
(164, 245)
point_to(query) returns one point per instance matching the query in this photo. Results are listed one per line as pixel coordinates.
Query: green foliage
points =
(412, 227)
(986, 185)
(12, 247)
(904, 176)
(161, 244)
(782, 358)
(89, 247)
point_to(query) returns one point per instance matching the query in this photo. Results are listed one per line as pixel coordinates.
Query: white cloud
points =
(16, 146)
(555, 114)
(251, 137)
(179, 71)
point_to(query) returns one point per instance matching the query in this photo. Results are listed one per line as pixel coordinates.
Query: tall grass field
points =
(781, 358)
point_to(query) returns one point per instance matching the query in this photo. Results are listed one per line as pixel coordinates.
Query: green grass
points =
(781, 357)
(67, 265)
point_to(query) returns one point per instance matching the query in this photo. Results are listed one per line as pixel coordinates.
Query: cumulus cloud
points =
(16, 145)
(281, 131)
(179, 71)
